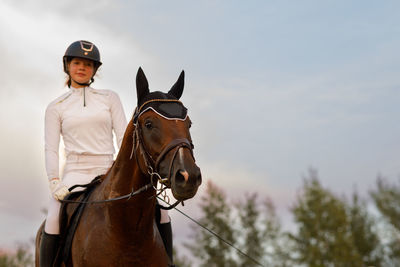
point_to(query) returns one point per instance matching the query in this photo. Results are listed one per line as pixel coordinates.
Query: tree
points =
(323, 237)
(181, 261)
(260, 229)
(257, 232)
(250, 231)
(21, 258)
(216, 216)
(277, 245)
(387, 200)
(364, 233)
(249, 216)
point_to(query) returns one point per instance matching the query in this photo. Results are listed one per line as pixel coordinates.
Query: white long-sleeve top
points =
(85, 118)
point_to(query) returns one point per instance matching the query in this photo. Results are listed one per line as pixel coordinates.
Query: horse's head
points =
(162, 134)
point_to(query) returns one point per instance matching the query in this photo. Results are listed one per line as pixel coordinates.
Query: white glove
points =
(58, 189)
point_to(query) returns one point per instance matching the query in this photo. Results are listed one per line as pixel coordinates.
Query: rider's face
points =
(81, 70)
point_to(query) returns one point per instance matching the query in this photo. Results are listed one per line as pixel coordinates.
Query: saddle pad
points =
(68, 225)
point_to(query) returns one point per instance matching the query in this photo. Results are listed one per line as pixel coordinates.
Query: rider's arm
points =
(52, 130)
(118, 117)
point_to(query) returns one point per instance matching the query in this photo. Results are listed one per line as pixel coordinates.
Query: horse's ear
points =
(142, 86)
(177, 88)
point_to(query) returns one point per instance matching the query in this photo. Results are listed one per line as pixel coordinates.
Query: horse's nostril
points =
(181, 177)
(185, 175)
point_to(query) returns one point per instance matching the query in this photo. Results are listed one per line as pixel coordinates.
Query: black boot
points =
(48, 249)
(165, 230)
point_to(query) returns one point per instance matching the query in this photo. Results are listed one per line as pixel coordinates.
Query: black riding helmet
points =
(82, 49)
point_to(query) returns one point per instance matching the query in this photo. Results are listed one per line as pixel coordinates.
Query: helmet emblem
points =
(87, 47)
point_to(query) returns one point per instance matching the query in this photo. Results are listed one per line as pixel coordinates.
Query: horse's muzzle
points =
(185, 182)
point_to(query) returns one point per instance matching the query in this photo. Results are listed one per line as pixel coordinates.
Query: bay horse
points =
(156, 148)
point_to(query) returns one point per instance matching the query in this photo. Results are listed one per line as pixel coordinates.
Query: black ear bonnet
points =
(167, 105)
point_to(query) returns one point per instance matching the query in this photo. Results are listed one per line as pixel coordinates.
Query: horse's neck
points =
(124, 177)
(125, 173)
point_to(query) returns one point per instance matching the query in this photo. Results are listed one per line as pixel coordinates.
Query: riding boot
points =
(48, 249)
(166, 235)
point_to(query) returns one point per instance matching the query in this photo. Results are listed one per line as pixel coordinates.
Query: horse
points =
(156, 153)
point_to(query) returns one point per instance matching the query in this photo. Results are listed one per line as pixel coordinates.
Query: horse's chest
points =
(118, 258)
(105, 250)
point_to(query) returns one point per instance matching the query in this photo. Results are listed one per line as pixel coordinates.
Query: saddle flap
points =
(70, 216)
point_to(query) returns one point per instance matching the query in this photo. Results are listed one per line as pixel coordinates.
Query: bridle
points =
(151, 164)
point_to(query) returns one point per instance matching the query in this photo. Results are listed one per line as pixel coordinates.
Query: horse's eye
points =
(148, 125)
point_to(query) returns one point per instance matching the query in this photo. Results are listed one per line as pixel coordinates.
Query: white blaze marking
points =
(184, 173)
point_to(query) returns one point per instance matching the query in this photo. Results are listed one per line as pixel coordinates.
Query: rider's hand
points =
(58, 189)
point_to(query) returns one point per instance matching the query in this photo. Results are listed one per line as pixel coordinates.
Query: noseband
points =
(152, 165)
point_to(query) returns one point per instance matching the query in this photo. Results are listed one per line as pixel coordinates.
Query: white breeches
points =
(81, 169)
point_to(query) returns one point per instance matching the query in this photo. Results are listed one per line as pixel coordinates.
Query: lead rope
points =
(216, 235)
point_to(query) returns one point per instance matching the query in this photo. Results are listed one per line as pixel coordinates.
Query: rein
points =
(127, 196)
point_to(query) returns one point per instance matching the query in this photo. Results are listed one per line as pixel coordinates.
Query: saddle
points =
(69, 220)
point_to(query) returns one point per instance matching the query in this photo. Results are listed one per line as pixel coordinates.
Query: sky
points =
(273, 88)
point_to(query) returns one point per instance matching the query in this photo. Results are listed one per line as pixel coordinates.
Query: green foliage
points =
(181, 261)
(387, 199)
(249, 217)
(330, 231)
(216, 215)
(364, 233)
(277, 245)
(22, 258)
(261, 233)
(256, 232)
